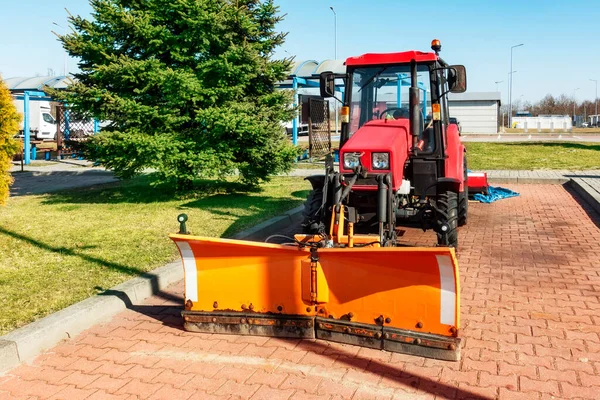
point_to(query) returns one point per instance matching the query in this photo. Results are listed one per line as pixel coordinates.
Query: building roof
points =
(38, 82)
(391, 58)
(473, 96)
(312, 68)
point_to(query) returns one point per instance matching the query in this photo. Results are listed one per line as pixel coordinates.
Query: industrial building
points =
(478, 112)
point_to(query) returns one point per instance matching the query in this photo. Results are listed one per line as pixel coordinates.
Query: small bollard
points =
(182, 218)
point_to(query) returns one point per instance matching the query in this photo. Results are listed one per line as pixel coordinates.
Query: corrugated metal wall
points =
(476, 116)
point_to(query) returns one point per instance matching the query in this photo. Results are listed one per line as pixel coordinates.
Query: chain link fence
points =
(319, 128)
(72, 130)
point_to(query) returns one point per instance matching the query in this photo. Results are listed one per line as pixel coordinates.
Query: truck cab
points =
(42, 124)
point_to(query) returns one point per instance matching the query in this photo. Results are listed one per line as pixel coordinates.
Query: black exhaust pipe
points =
(382, 194)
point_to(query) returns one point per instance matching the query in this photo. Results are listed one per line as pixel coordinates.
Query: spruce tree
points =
(187, 87)
(9, 127)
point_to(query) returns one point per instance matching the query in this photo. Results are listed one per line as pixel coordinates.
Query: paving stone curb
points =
(582, 188)
(26, 343)
(529, 180)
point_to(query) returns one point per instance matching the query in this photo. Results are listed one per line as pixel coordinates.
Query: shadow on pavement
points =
(169, 315)
(589, 210)
(40, 182)
(422, 383)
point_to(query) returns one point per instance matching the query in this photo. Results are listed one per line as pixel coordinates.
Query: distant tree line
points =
(550, 105)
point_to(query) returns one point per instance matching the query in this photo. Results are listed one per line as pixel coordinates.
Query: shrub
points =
(9, 127)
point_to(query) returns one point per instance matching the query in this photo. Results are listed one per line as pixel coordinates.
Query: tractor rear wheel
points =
(312, 223)
(463, 200)
(447, 214)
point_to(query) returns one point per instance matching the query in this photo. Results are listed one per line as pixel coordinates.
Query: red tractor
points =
(401, 162)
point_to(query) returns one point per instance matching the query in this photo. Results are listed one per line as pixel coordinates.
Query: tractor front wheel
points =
(312, 223)
(447, 214)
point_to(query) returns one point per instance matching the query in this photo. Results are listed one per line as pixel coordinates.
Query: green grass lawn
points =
(530, 156)
(57, 249)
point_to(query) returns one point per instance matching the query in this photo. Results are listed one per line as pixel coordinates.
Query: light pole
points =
(508, 90)
(574, 105)
(65, 57)
(334, 31)
(596, 99)
(497, 82)
(511, 80)
(335, 58)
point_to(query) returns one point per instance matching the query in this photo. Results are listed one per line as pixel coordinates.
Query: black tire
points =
(463, 200)
(312, 223)
(447, 213)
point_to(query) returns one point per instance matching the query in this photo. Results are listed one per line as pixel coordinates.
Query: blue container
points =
(336, 156)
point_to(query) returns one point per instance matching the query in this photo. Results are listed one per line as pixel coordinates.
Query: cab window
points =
(48, 118)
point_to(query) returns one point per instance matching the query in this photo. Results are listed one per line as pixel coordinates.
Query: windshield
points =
(48, 118)
(382, 92)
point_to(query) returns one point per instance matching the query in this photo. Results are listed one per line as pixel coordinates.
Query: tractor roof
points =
(391, 58)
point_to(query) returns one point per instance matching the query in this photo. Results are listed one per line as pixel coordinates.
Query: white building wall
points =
(476, 116)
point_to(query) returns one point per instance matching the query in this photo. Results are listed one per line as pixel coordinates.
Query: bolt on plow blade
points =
(397, 299)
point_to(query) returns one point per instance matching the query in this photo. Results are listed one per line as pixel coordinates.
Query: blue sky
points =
(561, 51)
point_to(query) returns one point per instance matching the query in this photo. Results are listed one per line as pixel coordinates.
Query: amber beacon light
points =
(436, 46)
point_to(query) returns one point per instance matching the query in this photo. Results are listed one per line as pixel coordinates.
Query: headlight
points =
(351, 160)
(381, 160)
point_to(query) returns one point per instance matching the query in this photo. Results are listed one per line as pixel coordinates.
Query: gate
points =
(71, 130)
(319, 128)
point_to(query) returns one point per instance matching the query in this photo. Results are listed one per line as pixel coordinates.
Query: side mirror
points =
(327, 83)
(457, 79)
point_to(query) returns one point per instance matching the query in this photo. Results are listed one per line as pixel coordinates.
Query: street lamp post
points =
(334, 31)
(511, 80)
(574, 105)
(65, 56)
(335, 57)
(497, 82)
(596, 99)
(508, 90)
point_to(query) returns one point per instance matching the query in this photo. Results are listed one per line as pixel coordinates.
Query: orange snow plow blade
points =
(394, 298)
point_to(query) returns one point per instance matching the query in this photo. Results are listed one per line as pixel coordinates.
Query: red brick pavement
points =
(531, 323)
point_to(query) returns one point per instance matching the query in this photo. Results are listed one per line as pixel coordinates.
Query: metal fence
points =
(71, 130)
(319, 128)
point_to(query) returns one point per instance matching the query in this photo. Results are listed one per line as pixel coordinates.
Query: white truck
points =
(42, 124)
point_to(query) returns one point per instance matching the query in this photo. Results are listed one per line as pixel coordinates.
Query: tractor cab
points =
(405, 92)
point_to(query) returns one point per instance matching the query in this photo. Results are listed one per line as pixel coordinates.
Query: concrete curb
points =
(26, 343)
(588, 194)
(530, 180)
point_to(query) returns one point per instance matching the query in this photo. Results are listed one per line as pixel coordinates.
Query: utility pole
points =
(511, 81)
(596, 99)
(508, 91)
(574, 105)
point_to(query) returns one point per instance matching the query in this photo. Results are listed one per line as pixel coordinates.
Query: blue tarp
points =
(495, 193)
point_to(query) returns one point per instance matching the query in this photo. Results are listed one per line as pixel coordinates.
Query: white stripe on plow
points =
(189, 266)
(448, 291)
